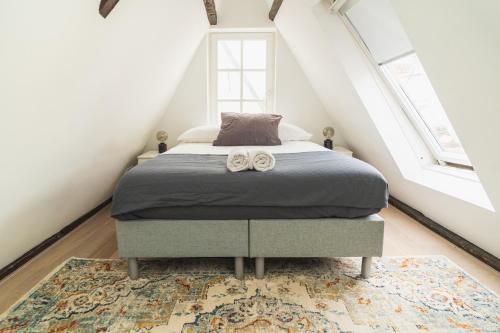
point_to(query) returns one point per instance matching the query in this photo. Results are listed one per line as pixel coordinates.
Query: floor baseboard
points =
(10, 268)
(449, 235)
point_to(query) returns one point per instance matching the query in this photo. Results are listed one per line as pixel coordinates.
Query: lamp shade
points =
(161, 136)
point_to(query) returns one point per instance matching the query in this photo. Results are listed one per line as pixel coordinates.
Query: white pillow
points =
(289, 132)
(200, 134)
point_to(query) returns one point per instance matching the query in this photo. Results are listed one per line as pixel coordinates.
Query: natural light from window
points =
(409, 78)
(241, 73)
(383, 37)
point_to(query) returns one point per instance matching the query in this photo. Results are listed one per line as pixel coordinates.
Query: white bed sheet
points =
(287, 147)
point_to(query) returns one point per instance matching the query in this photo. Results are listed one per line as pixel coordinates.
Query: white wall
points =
(188, 106)
(295, 99)
(236, 14)
(79, 96)
(320, 51)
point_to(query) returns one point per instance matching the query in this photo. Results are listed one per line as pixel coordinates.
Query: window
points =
(407, 76)
(241, 73)
(383, 37)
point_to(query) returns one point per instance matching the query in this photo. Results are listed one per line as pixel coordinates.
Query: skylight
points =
(387, 43)
(409, 80)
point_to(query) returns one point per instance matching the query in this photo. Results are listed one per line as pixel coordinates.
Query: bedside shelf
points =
(146, 156)
(342, 150)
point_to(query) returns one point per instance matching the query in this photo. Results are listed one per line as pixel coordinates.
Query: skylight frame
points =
(419, 123)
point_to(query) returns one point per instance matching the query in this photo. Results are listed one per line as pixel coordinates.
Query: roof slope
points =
(80, 96)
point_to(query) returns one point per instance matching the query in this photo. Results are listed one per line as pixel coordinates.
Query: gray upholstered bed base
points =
(327, 237)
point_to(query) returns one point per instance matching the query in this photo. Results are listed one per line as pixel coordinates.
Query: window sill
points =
(461, 184)
(455, 172)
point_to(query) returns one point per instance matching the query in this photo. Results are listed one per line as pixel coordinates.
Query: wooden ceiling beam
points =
(274, 9)
(211, 12)
(106, 6)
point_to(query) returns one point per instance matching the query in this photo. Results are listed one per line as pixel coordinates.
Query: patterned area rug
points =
(421, 294)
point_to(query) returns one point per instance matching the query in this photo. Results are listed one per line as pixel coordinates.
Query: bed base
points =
(182, 239)
(329, 237)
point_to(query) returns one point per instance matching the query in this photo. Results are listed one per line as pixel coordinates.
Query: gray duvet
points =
(302, 185)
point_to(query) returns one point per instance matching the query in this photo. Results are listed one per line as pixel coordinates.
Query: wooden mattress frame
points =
(325, 237)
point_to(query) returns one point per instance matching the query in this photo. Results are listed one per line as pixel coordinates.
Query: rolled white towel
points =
(261, 160)
(238, 159)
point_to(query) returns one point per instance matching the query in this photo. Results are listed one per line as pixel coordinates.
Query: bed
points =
(314, 203)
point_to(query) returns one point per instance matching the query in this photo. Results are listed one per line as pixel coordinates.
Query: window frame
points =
(213, 71)
(442, 157)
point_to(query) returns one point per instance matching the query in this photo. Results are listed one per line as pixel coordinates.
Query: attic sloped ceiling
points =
(318, 53)
(79, 97)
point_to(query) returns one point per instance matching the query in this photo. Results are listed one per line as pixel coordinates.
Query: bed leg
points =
(259, 267)
(366, 265)
(133, 268)
(239, 271)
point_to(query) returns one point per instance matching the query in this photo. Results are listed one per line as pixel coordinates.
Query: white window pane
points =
(228, 54)
(254, 85)
(227, 107)
(228, 85)
(409, 74)
(254, 54)
(254, 107)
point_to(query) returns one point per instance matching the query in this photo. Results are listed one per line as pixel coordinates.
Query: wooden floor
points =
(96, 239)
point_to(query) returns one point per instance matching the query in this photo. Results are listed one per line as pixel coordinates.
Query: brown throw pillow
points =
(248, 129)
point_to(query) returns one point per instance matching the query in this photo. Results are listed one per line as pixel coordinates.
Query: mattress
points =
(191, 182)
(288, 147)
(245, 212)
